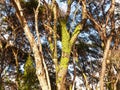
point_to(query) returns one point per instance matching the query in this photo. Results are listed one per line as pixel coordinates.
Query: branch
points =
(39, 44)
(79, 27)
(99, 27)
(36, 25)
(75, 12)
(96, 24)
(55, 33)
(104, 63)
(110, 12)
(50, 30)
(38, 60)
(69, 2)
(76, 32)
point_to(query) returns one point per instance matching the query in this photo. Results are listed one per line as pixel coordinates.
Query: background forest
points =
(59, 45)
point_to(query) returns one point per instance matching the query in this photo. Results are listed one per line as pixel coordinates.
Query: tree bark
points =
(37, 55)
(104, 63)
(67, 44)
(62, 72)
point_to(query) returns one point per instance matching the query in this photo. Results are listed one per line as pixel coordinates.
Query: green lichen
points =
(62, 68)
(77, 29)
(76, 33)
(51, 46)
(64, 62)
(59, 79)
(65, 37)
(66, 47)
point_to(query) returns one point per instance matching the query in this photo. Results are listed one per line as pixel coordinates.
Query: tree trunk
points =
(62, 72)
(37, 55)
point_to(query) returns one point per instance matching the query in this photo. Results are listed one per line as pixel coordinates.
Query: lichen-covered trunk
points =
(63, 67)
(67, 43)
(66, 50)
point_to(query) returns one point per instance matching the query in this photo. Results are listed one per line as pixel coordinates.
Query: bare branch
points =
(39, 43)
(104, 63)
(55, 33)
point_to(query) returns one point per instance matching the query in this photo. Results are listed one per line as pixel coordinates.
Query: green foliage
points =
(29, 68)
(30, 81)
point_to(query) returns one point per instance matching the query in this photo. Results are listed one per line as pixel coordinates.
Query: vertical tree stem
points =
(104, 63)
(39, 44)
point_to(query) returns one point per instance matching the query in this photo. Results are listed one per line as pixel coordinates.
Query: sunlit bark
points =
(108, 43)
(39, 44)
(104, 63)
(37, 55)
